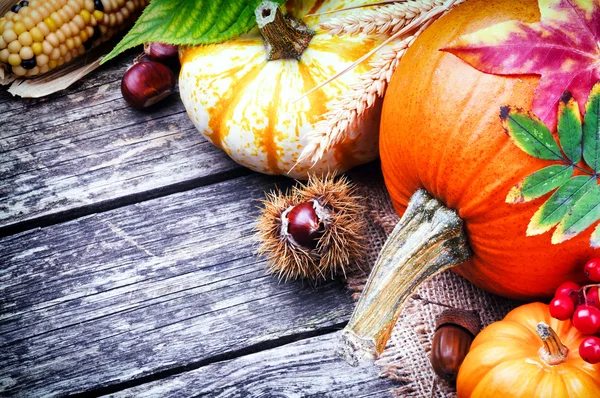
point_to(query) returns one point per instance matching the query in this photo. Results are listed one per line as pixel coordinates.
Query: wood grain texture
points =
(162, 284)
(305, 368)
(86, 146)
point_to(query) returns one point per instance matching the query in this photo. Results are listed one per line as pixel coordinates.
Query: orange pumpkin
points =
(510, 359)
(440, 130)
(445, 155)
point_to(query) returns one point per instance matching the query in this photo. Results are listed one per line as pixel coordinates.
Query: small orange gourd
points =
(510, 358)
(448, 166)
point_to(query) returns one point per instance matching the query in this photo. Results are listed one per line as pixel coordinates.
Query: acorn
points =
(315, 231)
(454, 332)
(146, 83)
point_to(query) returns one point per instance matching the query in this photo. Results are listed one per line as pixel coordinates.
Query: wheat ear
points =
(332, 127)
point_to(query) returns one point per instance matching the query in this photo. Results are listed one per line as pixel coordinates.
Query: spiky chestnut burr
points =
(313, 231)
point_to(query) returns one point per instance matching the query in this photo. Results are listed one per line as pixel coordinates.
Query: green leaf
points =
(559, 204)
(529, 133)
(591, 130)
(585, 212)
(569, 127)
(190, 22)
(539, 183)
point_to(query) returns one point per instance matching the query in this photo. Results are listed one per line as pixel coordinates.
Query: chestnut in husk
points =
(315, 230)
(146, 83)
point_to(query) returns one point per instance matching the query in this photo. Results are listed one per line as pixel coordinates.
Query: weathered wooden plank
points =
(302, 369)
(87, 147)
(148, 287)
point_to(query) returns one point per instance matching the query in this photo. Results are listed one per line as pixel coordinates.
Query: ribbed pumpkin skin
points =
(441, 131)
(504, 362)
(244, 104)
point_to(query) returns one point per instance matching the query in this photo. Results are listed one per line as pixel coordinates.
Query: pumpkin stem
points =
(553, 352)
(284, 36)
(427, 240)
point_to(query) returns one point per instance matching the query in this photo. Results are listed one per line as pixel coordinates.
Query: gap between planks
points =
(226, 356)
(111, 204)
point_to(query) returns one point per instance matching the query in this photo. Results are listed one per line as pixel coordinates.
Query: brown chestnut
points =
(304, 225)
(161, 52)
(455, 331)
(146, 83)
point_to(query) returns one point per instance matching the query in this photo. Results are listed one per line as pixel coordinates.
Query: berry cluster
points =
(581, 304)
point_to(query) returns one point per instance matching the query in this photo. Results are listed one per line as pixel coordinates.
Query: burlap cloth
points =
(406, 357)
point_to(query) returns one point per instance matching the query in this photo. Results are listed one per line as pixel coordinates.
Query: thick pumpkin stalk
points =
(553, 352)
(426, 241)
(284, 36)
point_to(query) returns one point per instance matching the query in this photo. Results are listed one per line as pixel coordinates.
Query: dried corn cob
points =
(39, 35)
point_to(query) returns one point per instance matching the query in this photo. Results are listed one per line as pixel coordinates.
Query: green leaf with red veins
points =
(562, 48)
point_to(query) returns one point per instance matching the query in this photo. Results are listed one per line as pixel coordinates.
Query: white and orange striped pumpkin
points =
(246, 105)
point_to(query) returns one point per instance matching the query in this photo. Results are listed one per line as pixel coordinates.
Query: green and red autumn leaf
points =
(562, 48)
(575, 204)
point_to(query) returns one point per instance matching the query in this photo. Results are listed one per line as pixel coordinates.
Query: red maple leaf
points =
(563, 48)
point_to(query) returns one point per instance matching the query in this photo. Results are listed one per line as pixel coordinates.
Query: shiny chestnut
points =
(455, 331)
(304, 225)
(161, 52)
(146, 83)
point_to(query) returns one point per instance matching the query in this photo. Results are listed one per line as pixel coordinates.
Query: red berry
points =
(304, 225)
(592, 269)
(568, 289)
(592, 297)
(586, 319)
(561, 308)
(589, 349)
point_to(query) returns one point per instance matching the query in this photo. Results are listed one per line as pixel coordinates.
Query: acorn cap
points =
(455, 316)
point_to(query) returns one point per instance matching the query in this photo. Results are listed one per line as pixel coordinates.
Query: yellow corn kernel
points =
(77, 41)
(57, 19)
(47, 47)
(70, 43)
(37, 48)
(36, 34)
(26, 53)
(19, 28)
(86, 16)
(4, 55)
(36, 16)
(61, 36)
(51, 24)
(14, 59)
(84, 35)
(89, 5)
(52, 38)
(14, 47)
(25, 39)
(33, 71)
(42, 59)
(55, 54)
(52, 64)
(19, 70)
(44, 69)
(28, 22)
(98, 15)
(2, 23)
(43, 28)
(9, 36)
(78, 21)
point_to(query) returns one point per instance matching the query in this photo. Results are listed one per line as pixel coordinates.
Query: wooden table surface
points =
(128, 265)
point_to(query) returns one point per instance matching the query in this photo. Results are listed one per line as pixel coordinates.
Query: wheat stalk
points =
(388, 19)
(346, 111)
